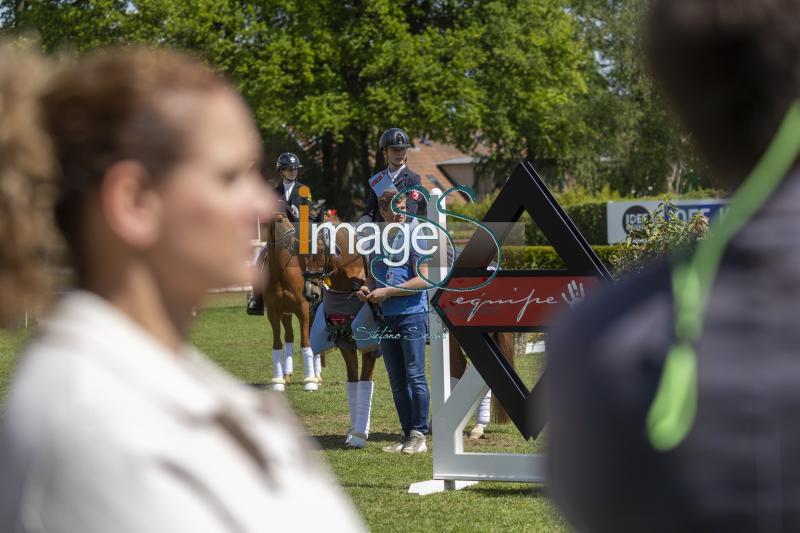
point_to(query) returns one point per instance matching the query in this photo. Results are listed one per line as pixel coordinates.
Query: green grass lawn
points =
(376, 481)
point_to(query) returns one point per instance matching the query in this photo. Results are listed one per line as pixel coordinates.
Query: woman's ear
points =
(130, 204)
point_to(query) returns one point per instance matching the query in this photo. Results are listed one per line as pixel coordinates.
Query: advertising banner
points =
(513, 301)
(621, 214)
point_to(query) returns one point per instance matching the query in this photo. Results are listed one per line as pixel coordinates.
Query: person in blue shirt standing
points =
(394, 144)
(405, 321)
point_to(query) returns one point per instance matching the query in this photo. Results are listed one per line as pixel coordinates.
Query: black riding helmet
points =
(288, 160)
(394, 138)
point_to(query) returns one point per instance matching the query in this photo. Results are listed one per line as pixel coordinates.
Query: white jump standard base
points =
(453, 469)
(433, 486)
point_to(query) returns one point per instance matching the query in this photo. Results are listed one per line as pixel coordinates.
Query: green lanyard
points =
(673, 410)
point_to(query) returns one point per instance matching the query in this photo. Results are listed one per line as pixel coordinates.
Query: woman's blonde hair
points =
(26, 184)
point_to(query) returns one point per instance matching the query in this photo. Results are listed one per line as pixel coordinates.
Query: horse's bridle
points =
(290, 236)
(323, 277)
(319, 278)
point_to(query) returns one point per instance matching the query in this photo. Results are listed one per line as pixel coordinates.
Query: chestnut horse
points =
(284, 295)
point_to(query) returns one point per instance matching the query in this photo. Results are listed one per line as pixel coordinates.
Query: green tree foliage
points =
(326, 77)
(561, 82)
(625, 135)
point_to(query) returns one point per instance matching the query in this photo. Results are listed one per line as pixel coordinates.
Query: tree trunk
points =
(328, 175)
(363, 150)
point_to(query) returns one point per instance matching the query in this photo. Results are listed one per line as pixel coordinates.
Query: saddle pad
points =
(319, 334)
(341, 304)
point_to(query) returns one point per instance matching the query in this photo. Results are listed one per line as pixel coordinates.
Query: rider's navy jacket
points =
(415, 202)
(294, 200)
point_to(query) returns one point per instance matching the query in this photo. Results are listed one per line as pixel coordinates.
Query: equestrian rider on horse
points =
(393, 144)
(288, 166)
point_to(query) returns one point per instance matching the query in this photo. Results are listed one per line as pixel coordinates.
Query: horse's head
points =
(349, 271)
(316, 209)
(282, 220)
(319, 262)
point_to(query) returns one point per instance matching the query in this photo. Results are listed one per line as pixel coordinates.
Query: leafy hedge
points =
(545, 257)
(589, 217)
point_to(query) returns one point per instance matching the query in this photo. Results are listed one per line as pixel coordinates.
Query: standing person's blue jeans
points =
(404, 357)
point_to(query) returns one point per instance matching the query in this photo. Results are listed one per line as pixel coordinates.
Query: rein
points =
(327, 275)
(277, 244)
(323, 278)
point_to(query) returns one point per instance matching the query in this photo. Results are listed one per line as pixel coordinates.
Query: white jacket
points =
(105, 430)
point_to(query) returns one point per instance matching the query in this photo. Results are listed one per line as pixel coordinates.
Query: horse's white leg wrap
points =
(288, 350)
(309, 383)
(317, 364)
(482, 416)
(278, 382)
(308, 361)
(484, 410)
(351, 388)
(277, 363)
(361, 431)
(365, 389)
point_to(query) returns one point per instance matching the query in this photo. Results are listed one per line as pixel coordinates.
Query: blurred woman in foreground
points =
(114, 423)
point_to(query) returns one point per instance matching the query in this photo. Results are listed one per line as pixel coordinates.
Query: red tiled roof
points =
(423, 159)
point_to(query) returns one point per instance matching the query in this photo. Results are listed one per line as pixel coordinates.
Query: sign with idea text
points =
(621, 215)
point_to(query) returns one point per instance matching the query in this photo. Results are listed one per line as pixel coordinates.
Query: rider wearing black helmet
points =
(393, 144)
(288, 166)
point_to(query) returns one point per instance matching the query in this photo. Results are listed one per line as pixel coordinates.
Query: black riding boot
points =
(255, 305)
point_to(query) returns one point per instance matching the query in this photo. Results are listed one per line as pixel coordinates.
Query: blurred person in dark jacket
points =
(731, 70)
